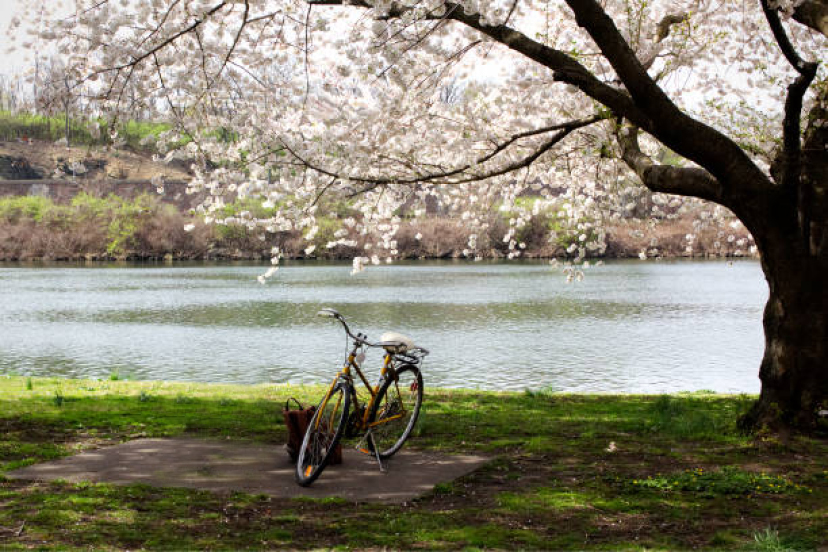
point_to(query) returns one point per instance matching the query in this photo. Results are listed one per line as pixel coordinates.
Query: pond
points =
(630, 326)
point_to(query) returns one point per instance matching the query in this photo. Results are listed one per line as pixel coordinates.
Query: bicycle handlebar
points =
(359, 338)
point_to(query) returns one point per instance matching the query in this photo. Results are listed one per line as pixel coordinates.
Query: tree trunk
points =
(794, 249)
(66, 123)
(794, 370)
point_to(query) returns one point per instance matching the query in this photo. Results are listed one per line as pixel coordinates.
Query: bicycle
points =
(385, 421)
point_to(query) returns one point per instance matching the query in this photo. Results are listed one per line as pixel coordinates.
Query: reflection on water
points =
(629, 327)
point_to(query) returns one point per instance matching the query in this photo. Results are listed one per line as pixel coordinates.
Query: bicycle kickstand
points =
(371, 443)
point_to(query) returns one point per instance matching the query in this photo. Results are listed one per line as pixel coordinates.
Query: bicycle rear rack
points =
(412, 356)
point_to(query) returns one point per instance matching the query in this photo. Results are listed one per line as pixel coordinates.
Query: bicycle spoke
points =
(396, 411)
(322, 436)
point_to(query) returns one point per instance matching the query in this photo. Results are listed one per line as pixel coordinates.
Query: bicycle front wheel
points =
(323, 434)
(396, 409)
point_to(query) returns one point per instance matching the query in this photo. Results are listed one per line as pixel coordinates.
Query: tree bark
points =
(794, 247)
(794, 372)
(813, 14)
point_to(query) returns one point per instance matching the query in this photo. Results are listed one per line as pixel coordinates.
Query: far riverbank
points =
(110, 227)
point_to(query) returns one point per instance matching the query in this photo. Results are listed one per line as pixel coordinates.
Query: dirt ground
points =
(254, 468)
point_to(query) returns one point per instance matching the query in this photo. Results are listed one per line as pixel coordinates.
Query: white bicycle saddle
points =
(394, 342)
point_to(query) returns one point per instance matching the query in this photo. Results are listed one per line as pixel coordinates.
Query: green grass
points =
(567, 472)
(726, 481)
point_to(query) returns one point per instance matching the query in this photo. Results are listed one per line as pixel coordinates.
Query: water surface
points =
(629, 327)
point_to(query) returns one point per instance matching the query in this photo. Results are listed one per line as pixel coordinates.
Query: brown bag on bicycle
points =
(297, 421)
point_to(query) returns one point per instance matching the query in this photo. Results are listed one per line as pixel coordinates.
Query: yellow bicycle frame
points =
(346, 373)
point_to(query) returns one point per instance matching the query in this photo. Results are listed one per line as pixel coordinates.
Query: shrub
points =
(97, 227)
(16, 208)
(441, 238)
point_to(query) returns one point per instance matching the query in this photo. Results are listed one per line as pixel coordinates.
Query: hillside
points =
(36, 159)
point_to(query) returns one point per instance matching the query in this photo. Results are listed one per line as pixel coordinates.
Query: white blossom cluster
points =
(396, 108)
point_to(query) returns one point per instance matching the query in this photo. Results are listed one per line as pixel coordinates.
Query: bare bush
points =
(439, 238)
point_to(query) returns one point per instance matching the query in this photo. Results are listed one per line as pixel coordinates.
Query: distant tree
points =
(12, 97)
(56, 90)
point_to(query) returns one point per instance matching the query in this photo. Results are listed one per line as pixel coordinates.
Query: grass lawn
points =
(570, 472)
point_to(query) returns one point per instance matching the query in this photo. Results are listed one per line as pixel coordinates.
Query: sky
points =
(16, 62)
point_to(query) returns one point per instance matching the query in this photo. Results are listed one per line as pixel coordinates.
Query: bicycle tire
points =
(400, 395)
(323, 434)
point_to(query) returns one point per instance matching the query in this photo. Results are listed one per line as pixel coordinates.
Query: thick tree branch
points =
(784, 43)
(665, 178)
(791, 164)
(709, 148)
(662, 32)
(813, 14)
(663, 27)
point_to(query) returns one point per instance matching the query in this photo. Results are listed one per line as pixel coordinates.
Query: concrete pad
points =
(254, 468)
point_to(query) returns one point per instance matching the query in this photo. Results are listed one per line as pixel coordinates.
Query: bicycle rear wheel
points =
(323, 434)
(396, 409)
